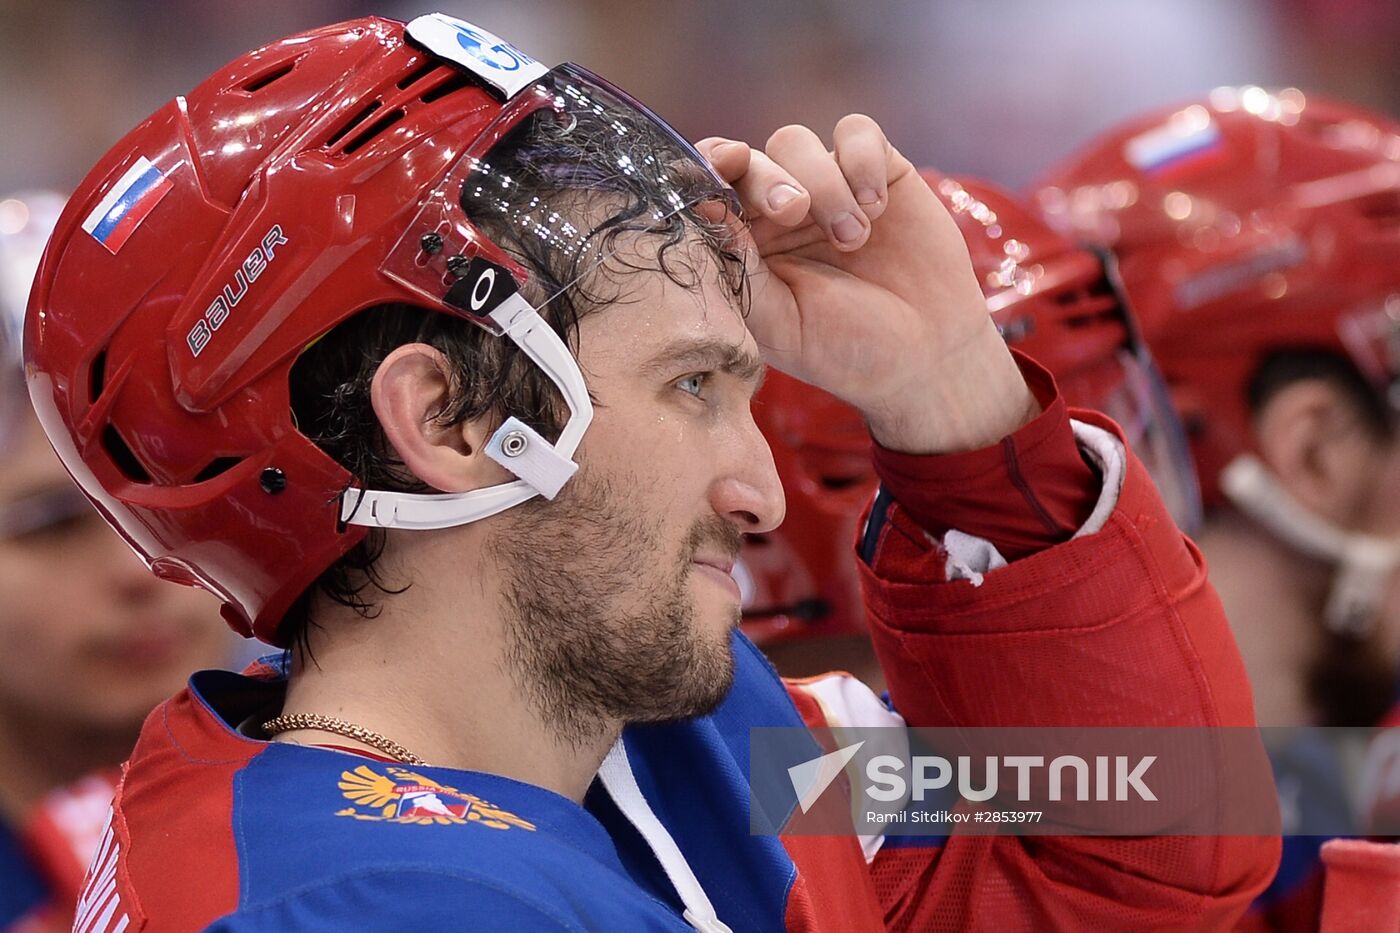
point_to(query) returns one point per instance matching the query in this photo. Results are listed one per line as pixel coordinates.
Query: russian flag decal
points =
(1174, 147)
(136, 194)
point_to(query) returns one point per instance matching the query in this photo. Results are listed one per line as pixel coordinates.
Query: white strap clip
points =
(523, 451)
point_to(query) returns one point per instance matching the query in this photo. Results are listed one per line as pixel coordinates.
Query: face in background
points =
(1377, 513)
(1327, 453)
(91, 640)
(619, 592)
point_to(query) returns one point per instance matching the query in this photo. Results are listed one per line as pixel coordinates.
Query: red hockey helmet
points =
(324, 174)
(1244, 223)
(1055, 301)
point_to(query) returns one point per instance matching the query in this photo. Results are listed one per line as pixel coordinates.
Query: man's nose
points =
(750, 494)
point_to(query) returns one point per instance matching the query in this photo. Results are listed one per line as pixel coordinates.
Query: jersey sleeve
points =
(399, 899)
(1031, 490)
(1114, 625)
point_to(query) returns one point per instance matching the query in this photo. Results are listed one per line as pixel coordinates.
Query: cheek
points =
(52, 606)
(653, 456)
(41, 649)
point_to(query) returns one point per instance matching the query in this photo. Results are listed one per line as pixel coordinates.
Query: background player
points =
(1258, 238)
(91, 641)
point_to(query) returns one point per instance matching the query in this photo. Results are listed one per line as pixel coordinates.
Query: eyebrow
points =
(709, 355)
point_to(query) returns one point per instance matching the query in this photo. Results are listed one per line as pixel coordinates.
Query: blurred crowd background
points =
(999, 88)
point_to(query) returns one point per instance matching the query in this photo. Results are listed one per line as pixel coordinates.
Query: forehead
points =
(29, 465)
(651, 311)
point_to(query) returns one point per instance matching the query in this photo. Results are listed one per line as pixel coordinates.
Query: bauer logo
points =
(233, 293)
(485, 55)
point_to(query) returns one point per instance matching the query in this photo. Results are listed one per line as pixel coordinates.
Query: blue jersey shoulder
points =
(311, 824)
(22, 890)
(321, 834)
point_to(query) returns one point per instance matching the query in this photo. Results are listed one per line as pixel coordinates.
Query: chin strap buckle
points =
(523, 451)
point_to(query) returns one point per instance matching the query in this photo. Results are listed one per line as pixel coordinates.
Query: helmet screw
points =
(514, 444)
(272, 481)
(431, 243)
(457, 265)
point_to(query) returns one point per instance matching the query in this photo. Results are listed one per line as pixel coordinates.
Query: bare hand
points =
(863, 286)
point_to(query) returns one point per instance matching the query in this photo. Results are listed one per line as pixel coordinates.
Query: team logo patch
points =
(401, 796)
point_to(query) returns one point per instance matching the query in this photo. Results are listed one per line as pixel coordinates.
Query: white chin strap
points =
(542, 468)
(1365, 564)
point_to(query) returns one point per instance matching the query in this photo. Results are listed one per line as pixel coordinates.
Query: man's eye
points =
(692, 385)
(59, 529)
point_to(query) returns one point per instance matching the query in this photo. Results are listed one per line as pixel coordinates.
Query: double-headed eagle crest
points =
(402, 796)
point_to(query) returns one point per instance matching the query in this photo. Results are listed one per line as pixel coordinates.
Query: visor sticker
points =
(484, 54)
(1174, 147)
(132, 198)
(480, 287)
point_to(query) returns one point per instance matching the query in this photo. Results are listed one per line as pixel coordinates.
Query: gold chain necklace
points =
(296, 721)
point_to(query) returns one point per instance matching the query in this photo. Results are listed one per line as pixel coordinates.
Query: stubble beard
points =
(594, 637)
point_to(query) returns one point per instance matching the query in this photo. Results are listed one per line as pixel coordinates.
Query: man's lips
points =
(724, 565)
(720, 570)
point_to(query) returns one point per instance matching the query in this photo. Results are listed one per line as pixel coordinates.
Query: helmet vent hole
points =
(374, 129)
(123, 457)
(216, 467)
(350, 124)
(417, 74)
(456, 81)
(276, 72)
(96, 376)
(1382, 210)
(1087, 305)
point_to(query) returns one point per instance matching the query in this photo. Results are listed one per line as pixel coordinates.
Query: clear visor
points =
(558, 181)
(1135, 395)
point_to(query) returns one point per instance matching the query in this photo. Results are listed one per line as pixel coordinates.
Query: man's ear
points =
(408, 391)
(1312, 438)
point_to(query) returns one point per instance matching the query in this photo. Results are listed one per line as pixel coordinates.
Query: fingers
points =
(764, 188)
(729, 157)
(796, 179)
(864, 153)
(802, 154)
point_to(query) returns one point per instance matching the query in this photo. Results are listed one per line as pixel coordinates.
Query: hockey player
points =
(89, 641)
(1257, 240)
(289, 335)
(1050, 299)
